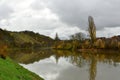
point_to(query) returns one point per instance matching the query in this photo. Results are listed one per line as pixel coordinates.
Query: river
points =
(67, 65)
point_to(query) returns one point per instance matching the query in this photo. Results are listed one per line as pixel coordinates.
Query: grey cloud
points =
(106, 13)
(37, 5)
(5, 11)
(62, 16)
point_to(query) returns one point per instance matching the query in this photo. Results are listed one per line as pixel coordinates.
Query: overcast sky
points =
(65, 17)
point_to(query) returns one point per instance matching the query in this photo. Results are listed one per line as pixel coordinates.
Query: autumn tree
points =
(77, 38)
(114, 43)
(92, 29)
(100, 43)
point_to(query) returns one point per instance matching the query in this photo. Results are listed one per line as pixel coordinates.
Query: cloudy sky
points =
(65, 17)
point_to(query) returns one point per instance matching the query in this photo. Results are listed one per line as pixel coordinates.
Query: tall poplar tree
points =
(92, 29)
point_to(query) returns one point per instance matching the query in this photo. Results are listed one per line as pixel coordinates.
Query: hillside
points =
(24, 39)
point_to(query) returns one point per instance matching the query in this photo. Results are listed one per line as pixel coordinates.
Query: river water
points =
(66, 65)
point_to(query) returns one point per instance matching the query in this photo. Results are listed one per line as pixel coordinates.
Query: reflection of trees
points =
(29, 56)
(78, 60)
(73, 57)
(83, 58)
(93, 67)
(60, 53)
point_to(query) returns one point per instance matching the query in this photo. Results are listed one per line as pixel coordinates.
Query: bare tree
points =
(92, 29)
(78, 36)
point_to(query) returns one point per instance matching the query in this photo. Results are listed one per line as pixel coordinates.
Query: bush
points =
(3, 51)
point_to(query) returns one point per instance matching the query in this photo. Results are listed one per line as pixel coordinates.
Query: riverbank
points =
(10, 70)
(97, 50)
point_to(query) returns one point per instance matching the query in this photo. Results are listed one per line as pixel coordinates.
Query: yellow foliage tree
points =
(86, 44)
(114, 43)
(100, 43)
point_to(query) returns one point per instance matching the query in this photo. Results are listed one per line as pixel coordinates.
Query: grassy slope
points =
(23, 38)
(10, 70)
(28, 36)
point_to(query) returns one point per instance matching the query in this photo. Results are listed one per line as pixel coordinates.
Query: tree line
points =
(78, 41)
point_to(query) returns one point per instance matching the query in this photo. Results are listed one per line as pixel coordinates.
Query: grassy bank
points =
(10, 70)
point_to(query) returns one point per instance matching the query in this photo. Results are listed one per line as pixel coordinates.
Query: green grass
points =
(10, 70)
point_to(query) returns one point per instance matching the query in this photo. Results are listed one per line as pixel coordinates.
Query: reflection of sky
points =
(64, 70)
(108, 72)
(50, 70)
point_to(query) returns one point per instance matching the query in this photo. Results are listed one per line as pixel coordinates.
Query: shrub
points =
(3, 51)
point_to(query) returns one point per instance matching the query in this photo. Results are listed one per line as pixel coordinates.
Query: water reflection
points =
(66, 65)
(29, 56)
